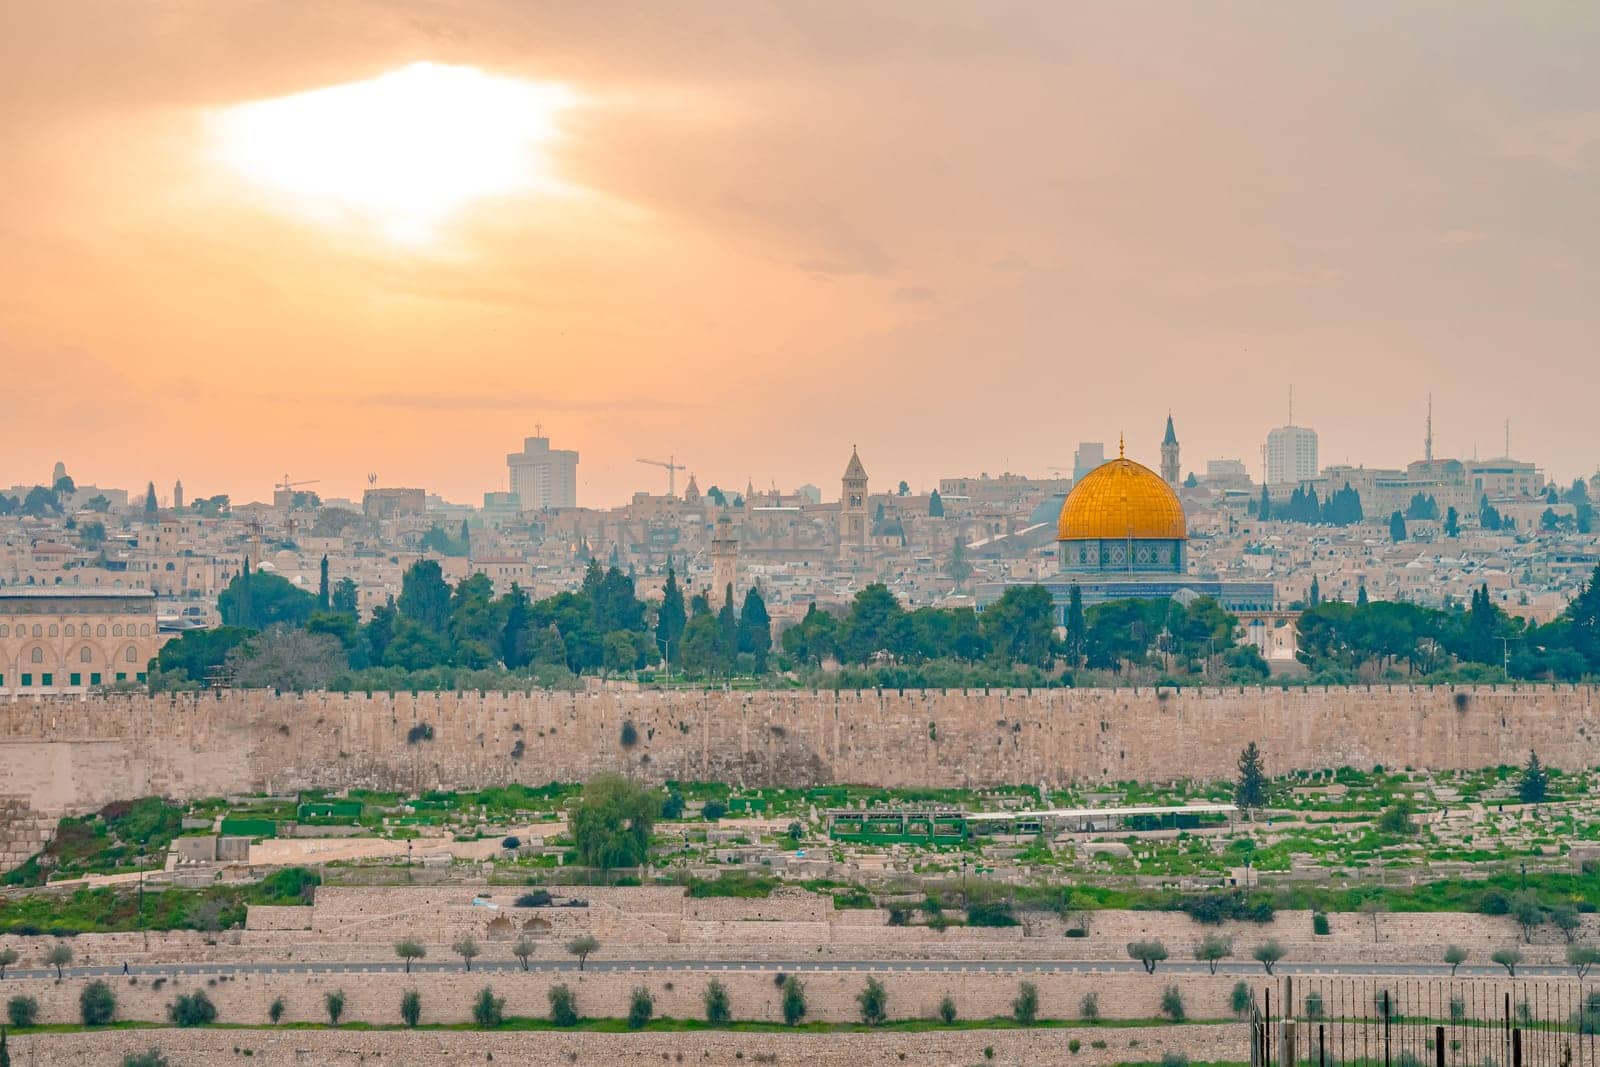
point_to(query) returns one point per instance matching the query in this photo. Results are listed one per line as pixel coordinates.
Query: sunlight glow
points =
(402, 152)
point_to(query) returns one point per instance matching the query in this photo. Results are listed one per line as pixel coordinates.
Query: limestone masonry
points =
(67, 755)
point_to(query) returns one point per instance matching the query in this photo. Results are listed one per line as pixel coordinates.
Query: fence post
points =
(1516, 1046)
(1322, 1045)
(1387, 1062)
(1438, 1046)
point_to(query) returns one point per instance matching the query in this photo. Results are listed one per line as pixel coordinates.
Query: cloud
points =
(914, 294)
(487, 402)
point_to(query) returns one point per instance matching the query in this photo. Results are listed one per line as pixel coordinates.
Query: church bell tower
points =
(853, 505)
(1170, 469)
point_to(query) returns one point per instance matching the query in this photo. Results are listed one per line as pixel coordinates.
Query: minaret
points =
(853, 505)
(1170, 469)
(177, 495)
(724, 558)
(1427, 439)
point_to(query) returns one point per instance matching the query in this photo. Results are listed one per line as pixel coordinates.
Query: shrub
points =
(488, 1010)
(1172, 1004)
(641, 1006)
(1458, 1010)
(8, 956)
(538, 898)
(420, 732)
(1319, 923)
(563, 1006)
(1239, 1000)
(97, 1004)
(794, 1000)
(275, 1011)
(151, 1058)
(1089, 1008)
(192, 1009)
(334, 1003)
(1025, 1005)
(874, 1002)
(715, 998)
(22, 1011)
(411, 1007)
(947, 1010)
(630, 734)
(511, 843)
(1314, 1005)
(990, 913)
(1174, 1059)
(713, 810)
(899, 916)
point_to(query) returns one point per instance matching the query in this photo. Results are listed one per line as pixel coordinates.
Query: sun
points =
(402, 152)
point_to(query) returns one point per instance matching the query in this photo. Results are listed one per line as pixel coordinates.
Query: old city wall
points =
(63, 755)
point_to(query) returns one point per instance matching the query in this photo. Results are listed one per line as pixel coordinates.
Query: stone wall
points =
(66, 755)
(333, 1048)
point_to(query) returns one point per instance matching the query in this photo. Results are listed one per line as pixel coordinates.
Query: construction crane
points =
(673, 467)
(286, 486)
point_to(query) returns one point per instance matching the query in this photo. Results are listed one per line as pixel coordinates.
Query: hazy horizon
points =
(961, 237)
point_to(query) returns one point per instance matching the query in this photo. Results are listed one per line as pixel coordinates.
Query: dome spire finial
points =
(1122, 447)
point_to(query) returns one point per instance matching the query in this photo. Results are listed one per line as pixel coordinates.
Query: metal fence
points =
(1417, 1023)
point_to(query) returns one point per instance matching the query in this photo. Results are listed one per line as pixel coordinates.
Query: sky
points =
(960, 236)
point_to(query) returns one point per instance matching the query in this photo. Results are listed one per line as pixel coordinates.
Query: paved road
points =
(1409, 970)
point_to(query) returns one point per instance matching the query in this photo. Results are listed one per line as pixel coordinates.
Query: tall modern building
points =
(1090, 454)
(1291, 455)
(543, 477)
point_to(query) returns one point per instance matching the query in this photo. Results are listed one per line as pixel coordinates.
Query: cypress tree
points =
(322, 586)
(1251, 790)
(1535, 782)
(670, 619)
(755, 628)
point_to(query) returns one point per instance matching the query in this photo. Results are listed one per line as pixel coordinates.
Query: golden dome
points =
(1121, 499)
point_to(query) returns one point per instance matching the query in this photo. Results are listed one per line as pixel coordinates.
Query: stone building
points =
(853, 527)
(70, 640)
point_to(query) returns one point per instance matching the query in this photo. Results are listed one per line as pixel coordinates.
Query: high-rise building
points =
(1291, 455)
(544, 477)
(1171, 469)
(1090, 454)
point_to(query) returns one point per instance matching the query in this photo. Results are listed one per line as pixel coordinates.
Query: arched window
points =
(131, 656)
(5, 630)
(72, 631)
(38, 631)
(144, 629)
(116, 629)
(85, 655)
(100, 631)
(38, 654)
(55, 631)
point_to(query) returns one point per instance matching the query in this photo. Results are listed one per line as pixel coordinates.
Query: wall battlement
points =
(72, 755)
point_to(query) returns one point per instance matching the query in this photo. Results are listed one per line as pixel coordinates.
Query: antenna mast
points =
(1427, 442)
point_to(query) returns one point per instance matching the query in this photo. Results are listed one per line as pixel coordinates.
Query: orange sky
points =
(963, 236)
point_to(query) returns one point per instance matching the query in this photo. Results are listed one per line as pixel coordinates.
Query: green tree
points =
(1268, 953)
(1250, 792)
(755, 629)
(1148, 953)
(1507, 958)
(1020, 626)
(410, 950)
(192, 1009)
(1172, 1004)
(345, 599)
(333, 1002)
(324, 594)
(488, 1010)
(947, 1010)
(195, 655)
(670, 618)
(1582, 957)
(793, 1000)
(957, 568)
(715, 998)
(1535, 782)
(523, 950)
(563, 1006)
(1076, 630)
(23, 1011)
(1212, 949)
(468, 950)
(1025, 1005)
(583, 947)
(257, 600)
(611, 822)
(150, 505)
(8, 956)
(874, 1003)
(97, 1005)
(641, 1007)
(1452, 522)
(411, 1008)
(1397, 527)
(58, 956)
(935, 505)
(727, 633)
(1455, 956)
(425, 596)
(1239, 1000)
(1264, 509)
